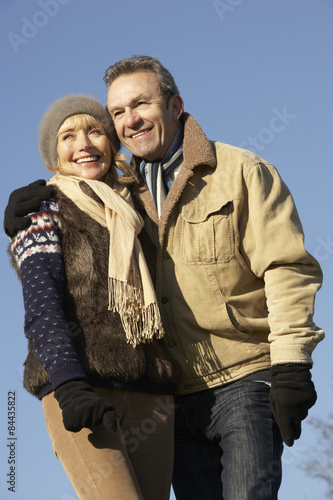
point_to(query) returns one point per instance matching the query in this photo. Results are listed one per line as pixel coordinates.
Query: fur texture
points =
(98, 334)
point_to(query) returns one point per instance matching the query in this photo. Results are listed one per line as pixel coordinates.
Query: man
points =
(235, 286)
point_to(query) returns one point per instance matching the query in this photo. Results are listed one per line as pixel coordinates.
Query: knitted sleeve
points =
(38, 254)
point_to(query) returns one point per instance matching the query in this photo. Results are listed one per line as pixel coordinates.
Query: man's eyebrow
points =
(134, 100)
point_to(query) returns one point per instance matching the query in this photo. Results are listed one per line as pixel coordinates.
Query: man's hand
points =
(82, 407)
(292, 394)
(23, 201)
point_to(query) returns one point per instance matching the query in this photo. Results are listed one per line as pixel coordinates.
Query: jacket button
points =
(171, 344)
(164, 300)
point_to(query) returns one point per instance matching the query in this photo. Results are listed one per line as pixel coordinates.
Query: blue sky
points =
(253, 73)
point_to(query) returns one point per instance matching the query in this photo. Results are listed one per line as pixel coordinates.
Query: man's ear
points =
(177, 106)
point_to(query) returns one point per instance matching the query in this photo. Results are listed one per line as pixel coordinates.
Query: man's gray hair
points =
(143, 63)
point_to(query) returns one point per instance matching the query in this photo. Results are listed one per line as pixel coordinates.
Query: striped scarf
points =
(159, 175)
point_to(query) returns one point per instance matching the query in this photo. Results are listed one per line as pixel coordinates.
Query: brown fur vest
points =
(98, 334)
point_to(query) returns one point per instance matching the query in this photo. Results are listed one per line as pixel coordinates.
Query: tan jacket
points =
(235, 284)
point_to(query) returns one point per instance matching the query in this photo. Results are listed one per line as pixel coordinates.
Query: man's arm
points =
(274, 250)
(23, 201)
(273, 247)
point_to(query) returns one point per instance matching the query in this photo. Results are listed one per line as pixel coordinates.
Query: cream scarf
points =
(131, 292)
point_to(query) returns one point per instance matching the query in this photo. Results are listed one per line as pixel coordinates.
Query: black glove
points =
(292, 394)
(23, 201)
(82, 407)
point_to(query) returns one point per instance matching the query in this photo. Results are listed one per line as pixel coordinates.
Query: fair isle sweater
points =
(37, 251)
(39, 258)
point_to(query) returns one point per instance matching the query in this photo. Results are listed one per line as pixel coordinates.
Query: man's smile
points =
(138, 134)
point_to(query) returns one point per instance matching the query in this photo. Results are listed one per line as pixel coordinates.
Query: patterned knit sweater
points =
(37, 252)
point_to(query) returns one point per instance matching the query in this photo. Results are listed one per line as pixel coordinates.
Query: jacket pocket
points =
(207, 231)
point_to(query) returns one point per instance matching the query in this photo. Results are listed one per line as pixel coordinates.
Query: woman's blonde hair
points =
(119, 161)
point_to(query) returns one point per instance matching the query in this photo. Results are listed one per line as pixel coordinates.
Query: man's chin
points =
(145, 153)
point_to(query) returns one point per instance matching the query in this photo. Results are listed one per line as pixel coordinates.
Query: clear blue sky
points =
(253, 73)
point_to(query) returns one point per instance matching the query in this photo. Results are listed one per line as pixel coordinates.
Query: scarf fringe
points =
(131, 291)
(141, 322)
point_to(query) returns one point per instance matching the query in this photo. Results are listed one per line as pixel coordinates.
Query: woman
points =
(91, 318)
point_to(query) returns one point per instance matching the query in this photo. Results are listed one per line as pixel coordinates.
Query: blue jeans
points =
(227, 444)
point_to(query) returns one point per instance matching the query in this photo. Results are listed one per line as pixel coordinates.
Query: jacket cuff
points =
(282, 355)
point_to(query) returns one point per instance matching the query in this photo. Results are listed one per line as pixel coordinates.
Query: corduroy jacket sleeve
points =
(273, 246)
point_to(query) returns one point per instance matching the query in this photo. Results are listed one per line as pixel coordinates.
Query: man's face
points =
(145, 123)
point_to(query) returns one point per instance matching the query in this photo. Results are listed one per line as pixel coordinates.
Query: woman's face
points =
(83, 149)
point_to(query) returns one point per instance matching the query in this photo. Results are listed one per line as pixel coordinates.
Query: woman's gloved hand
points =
(82, 407)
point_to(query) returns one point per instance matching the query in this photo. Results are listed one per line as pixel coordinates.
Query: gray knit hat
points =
(62, 109)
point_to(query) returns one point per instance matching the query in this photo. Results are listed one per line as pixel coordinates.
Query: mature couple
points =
(185, 275)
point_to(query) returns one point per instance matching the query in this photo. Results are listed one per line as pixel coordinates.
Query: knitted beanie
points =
(62, 109)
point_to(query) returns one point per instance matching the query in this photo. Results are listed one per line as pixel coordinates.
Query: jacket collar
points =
(197, 150)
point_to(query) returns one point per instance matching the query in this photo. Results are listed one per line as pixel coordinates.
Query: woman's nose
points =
(84, 141)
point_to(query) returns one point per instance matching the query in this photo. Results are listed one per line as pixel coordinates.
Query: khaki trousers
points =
(134, 463)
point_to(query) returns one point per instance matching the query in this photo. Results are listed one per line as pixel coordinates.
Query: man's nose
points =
(131, 117)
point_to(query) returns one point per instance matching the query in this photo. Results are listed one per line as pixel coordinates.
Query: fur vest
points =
(98, 334)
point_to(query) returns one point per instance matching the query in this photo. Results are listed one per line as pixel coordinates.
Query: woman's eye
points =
(96, 131)
(65, 137)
